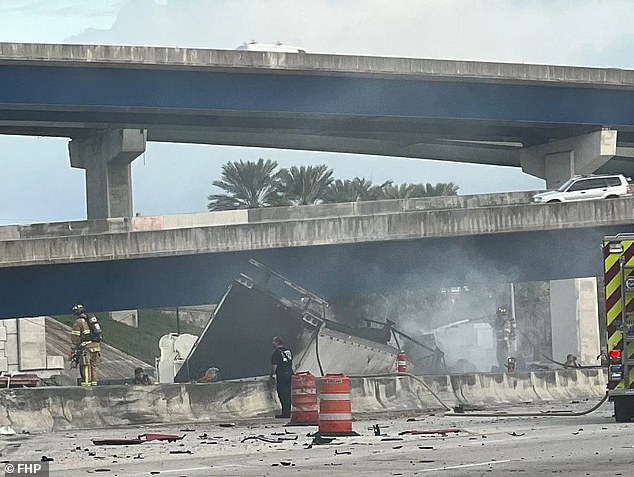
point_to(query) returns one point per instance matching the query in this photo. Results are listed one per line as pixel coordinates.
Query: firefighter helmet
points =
(78, 309)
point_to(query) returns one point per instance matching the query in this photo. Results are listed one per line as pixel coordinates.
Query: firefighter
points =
(502, 331)
(85, 341)
(571, 361)
(140, 378)
(210, 376)
(281, 374)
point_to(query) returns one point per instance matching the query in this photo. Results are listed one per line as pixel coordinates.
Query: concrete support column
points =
(558, 161)
(106, 157)
(574, 317)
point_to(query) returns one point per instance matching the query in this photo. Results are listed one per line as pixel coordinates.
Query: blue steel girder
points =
(135, 91)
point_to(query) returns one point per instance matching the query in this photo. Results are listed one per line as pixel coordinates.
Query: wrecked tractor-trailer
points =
(262, 304)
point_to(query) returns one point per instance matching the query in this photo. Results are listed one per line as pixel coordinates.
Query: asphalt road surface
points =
(592, 445)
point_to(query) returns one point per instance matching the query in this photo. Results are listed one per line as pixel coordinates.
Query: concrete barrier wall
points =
(413, 225)
(53, 408)
(50, 408)
(399, 394)
(268, 214)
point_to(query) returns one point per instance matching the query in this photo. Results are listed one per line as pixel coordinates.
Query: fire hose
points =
(450, 411)
(453, 413)
(411, 376)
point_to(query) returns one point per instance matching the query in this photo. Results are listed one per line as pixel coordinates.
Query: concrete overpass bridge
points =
(337, 249)
(552, 121)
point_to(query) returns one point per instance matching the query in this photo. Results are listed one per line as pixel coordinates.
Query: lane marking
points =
(173, 471)
(462, 466)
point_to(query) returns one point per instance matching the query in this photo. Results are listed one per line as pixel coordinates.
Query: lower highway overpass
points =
(337, 249)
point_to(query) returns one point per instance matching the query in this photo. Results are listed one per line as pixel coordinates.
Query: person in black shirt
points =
(281, 372)
(140, 378)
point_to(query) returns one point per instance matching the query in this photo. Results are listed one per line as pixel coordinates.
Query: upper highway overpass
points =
(552, 121)
(337, 249)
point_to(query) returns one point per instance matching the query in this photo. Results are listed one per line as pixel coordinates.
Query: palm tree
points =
(305, 185)
(248, 185)
(355, 190)
(409, 191)
(440, 189)
(403, 191)
(341, 191)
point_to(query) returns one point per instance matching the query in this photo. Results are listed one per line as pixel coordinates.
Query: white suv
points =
(587, 188)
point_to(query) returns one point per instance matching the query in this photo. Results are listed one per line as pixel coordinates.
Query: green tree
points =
(532, 304)
(305, 185)
(355, 190)
(247, 185)
(440, 189)
(404, 191)
(409, 191)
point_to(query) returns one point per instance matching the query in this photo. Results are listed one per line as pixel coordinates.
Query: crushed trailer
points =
(263, 304)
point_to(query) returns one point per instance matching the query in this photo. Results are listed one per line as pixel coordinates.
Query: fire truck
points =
(618, 257)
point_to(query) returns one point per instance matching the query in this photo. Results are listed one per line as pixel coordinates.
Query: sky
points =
(38, 184)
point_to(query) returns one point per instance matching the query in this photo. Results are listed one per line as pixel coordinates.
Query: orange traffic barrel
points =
(304, 407)
(335, 410)
(401, 364)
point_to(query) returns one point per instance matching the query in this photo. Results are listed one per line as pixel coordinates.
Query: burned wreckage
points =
(263, 304)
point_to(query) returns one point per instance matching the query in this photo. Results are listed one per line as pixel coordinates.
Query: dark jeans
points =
(284, 392)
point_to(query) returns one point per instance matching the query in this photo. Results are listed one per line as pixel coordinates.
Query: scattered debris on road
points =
(263, 439)
(320, 440)
(161, 437)
(117, 442)
(432, 431)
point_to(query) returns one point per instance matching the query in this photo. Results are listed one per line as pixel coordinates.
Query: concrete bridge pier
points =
(574, 303)
(574, 318)
(106, 156)
(558, 161)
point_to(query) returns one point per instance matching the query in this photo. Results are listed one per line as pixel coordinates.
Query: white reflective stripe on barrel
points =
(402, 362)
(334, 397)
(304, 391)
(335, 417)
